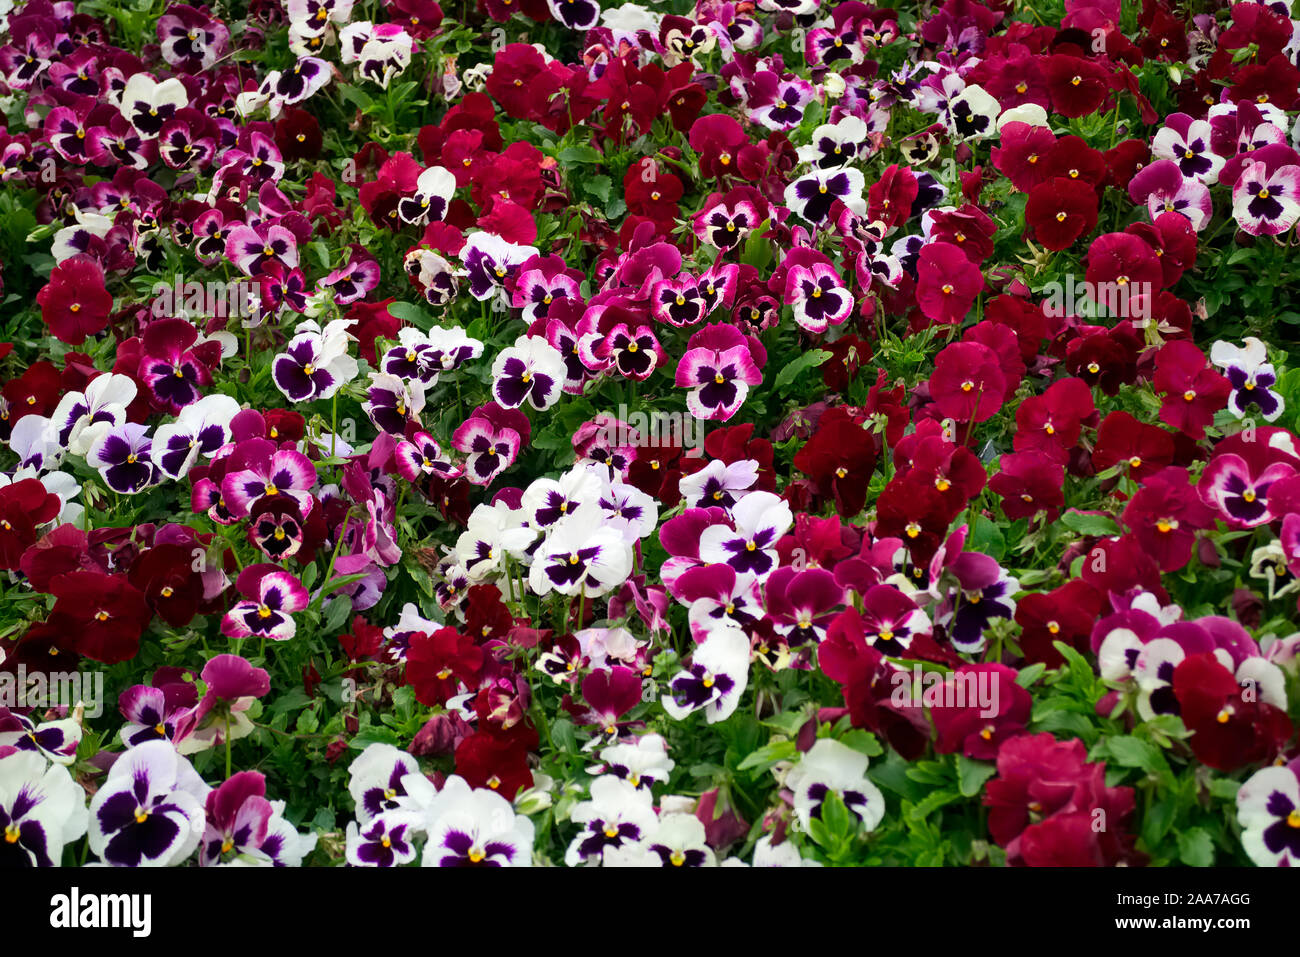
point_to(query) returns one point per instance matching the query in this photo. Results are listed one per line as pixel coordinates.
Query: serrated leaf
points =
(805, 361)
(972, 774)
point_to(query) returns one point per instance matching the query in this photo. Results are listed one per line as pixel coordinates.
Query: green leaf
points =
(1130, 752)
(1195, 848)
(339, 609)
(1030, 673)
(766, 756)
(863, 742)
(971, 775)
(573, 155)
(598, 186)
(1090, 523)
(1156, 821)
(409, 312)
(986, 537)
(758, 250)
(808, 360)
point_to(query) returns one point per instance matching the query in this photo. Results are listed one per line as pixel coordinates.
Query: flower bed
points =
(690, 434)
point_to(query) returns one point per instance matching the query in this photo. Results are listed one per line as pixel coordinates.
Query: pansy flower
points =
(433, 192)
(1268, 810)
(489, 448)
(643, 762)
(271, 596)
(719, 367)
(147, 103)
(315, 364)
(476, 827)
(152, 711)
(42, 810)
(578, 15)
(149, 810)
(490, 261)
(1266, 202)
(1251, 375)
(531, 370)
(716, 677)
(811, 196)
(761, 518)
(422, 456)
(618, 816)
(384, 841)
(122, 454)
(581, 555)
(57, 741)
(832, 766)
(818, 296)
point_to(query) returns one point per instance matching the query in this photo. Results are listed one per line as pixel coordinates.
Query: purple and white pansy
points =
(149, 810)
(42, 809)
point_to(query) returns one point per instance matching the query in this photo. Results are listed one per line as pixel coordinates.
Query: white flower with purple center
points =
(422, 356)
(618, 816)
(147, 104)
(981, 592)
(1266, 202)
(817, 296)
(481, 548)
(385, 841)
(149, 811)
(376, 781)
(268, 612)
(57, 741)
(490, 260)
(476, 827)
(308, 75)
(719, 483)
(1268, 810)
(761, 518)
(433, 192)
(531, 370)
(42, 809)
(628, 509)
(642, 762)
(546, 501)
(391, 402)
(715, 678)
(201, 429)
(785, 854)
(575, 14)
(123, 456)
(432, 275)
(835, 144)
(422, 456)
(831, 765)
(1252, 376)
(971, 114)
(104, 402)
(1186, 141)
(679, 840)
(811, 196)
(581, 555)
(1153, 672)
(315, 364)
